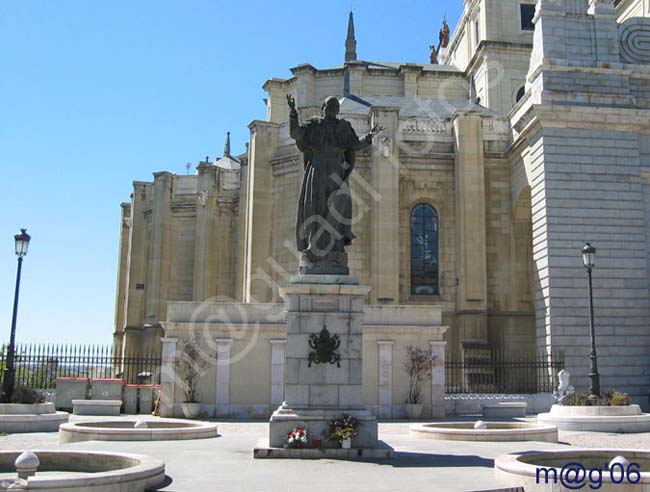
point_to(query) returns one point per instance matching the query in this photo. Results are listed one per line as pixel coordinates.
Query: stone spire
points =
(350, 41)
(226, 148)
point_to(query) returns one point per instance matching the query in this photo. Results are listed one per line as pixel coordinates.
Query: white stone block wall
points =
(586, 186)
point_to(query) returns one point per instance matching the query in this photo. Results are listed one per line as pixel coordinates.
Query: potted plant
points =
(190, 366)
(418, 365)
(297, 438)
(343, 430)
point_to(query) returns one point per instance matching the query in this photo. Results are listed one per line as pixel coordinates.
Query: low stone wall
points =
(245, 344)
(26, 408)
(471, 404)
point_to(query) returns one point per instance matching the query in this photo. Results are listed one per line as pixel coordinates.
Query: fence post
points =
(167, 377)
(438, 379)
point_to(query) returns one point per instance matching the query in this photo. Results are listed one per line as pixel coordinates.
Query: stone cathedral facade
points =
(528, 136)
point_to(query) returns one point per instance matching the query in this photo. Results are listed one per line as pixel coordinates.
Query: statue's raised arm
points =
(296, 131)
(367, 139)
(292, 103)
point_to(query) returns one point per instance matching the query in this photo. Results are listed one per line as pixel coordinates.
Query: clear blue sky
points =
(95, 95)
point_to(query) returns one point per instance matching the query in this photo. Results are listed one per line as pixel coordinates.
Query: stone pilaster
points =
(410, 73)
(384, 215)
(305, 92)
(204, 250)
(160, 249)
(471, 301)
(438, 379)
(385, 347)
(278, 347)
(259, 238)
(122, 278)
(242, 233)
(276, 102)
(167, 377)
(222, 401)
(353, 83)
(135, 287)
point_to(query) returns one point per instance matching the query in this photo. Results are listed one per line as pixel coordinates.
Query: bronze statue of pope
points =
(324, 219)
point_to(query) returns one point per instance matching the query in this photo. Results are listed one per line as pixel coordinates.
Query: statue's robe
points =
(323, 223)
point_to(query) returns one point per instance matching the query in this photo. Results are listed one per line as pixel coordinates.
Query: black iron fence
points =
(38, 365)
(495, 371)
(484, 371)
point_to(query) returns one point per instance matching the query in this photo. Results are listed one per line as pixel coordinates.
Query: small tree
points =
(190, 365)
(418, 365)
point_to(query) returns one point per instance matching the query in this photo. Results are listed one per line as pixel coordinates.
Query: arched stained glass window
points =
(424, 250)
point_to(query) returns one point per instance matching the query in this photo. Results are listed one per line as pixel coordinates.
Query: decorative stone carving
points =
(599, 7)
(634, 36)
(421, 126)
(565, 388)
(324, 348)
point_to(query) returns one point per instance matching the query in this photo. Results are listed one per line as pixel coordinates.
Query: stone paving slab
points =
(226, 463)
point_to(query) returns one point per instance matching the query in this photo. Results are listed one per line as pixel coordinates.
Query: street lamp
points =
(9, 377)
(589, 261)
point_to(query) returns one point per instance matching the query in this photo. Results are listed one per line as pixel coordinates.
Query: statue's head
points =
(331, 107)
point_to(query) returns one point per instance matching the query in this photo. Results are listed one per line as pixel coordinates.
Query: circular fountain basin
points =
(88, 471)
(621, 419)
(30, 417)
(529, 470)
(125, 430)
(495, 431)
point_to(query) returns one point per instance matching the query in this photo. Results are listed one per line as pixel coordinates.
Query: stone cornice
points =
(486, 46)
(567, 116)
(304, 68)
(256, 125)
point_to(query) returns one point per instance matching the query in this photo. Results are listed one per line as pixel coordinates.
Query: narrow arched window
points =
(424, 250)
(520, 93)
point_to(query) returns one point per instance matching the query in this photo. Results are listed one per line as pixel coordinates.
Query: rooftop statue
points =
(324, 220)
(443, 37)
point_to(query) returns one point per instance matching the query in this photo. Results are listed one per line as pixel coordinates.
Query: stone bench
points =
(96, 407)
(504, 409)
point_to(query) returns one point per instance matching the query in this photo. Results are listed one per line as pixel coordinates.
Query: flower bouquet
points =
(343, 430)
(297, 438)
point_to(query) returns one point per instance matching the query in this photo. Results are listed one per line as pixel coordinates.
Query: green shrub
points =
(616, 398)
(607, 399)
(23, 394)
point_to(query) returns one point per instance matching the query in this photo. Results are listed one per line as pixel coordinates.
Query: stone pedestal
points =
(322, 316)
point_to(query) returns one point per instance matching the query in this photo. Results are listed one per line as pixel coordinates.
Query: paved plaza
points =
(226, 463)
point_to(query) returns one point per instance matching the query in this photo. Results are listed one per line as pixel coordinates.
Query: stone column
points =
(385, 358)
(438, 379)
(222, 401)
(277, 371)
(167, 377)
